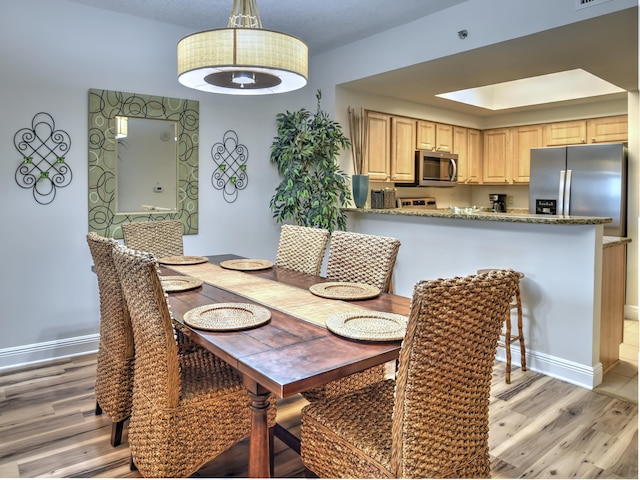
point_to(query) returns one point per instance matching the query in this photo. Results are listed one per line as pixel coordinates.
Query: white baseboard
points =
(631, 312)
(46, 351)
(574, 373)
(577, 374)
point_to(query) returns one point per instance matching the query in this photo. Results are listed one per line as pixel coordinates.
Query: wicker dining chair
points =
(302, 248)
(357, 257)
(114, 372)
(433, 420)
(361, 258)
(163, 238)
(187, 409)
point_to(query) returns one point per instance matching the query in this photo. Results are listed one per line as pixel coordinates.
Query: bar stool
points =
(516, 303)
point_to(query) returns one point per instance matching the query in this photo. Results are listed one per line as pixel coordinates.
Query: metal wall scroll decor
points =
(230, 174)
(43, 168)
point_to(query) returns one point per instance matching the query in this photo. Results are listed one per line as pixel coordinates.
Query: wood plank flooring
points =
(539, 428)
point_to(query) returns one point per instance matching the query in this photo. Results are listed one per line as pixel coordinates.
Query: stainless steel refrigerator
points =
(583, 180)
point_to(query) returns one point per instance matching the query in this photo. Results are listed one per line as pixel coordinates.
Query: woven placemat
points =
(227, 316)
(344, 290)
(182, 260)
(246, 264)
(179, 283)
(368, 325)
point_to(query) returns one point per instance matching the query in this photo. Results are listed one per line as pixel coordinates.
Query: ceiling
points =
(606, 46)
(335, 22)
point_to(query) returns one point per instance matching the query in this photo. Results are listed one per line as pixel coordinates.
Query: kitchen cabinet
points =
(434, 136)
(612, 303)
(467, 145)
(608, 129)
(378, 157)
(403, 141)
(497, 148)
(566, 133)
(524, 139)
(391, 144)
(593, 130)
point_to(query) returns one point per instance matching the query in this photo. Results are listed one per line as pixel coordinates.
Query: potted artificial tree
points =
(313, 188)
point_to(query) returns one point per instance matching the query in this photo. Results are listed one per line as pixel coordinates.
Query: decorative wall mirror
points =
(143, 160)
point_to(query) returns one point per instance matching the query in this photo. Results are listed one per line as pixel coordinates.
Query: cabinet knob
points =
(593, 140)
(506, 180)
(583, 140)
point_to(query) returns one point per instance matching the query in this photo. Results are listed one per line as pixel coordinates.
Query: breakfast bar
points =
(560, 256)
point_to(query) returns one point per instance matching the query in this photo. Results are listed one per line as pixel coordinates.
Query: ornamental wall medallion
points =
(43, 168)
(230, 174)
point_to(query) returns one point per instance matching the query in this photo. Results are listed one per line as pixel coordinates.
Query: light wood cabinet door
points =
(614, 262)
(461, 148)
(496, 155)
(608, 129)
(403, 152)
(566, 133)
(425, 135)
(444, 137)
(467, 145)
(524, 139)
(378, 158)
(474, 156)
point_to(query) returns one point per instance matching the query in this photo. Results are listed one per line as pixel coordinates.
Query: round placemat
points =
(179, 283)
(368, 325)
(344, 290)
(182, 260)
(246, 264)
(227, 316)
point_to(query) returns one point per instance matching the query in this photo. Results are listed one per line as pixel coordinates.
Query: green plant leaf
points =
(313, 188)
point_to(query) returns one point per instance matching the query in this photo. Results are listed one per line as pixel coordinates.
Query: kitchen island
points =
(561, 258)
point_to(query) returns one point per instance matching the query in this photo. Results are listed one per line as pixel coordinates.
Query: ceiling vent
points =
(589, 3)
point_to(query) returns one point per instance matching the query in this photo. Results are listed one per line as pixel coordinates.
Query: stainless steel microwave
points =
(436, 169)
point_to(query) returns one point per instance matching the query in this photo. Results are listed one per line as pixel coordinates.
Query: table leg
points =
(259, 448)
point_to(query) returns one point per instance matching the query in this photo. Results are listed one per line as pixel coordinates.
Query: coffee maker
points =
(498, 202)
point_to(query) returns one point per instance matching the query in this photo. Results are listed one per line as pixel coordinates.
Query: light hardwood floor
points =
(539, 428)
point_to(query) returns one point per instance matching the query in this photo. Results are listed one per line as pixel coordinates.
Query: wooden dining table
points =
(287, 355)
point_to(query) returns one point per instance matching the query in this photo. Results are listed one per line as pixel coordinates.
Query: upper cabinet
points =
(434, 136)
(524, 139)
(391, 144)
(608, 129)
(593, 130)
(467, 144)
(566, 133)
(403, 152)
(496, 156)
(507, 153)
(377, 160)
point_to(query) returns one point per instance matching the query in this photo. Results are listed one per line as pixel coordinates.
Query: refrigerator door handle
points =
(567, 193)
(560, 207)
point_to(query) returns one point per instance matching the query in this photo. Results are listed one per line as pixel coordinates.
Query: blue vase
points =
(360, 187)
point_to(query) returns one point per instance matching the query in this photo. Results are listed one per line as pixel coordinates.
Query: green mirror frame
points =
(104, 106)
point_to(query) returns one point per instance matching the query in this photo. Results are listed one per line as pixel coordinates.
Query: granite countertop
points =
(613, 241)
(512, 215)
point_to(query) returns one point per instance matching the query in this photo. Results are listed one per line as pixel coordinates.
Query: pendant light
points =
(244, 58)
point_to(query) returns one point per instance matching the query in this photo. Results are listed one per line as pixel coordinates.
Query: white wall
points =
(561, 308)
(54, 51)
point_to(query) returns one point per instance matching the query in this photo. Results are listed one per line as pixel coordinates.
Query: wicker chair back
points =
(357, 257)
(302, 248)
(163, 238)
